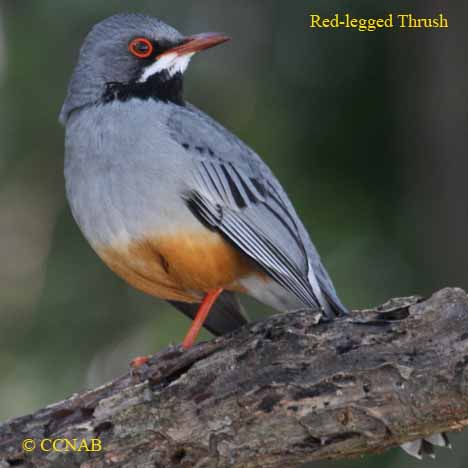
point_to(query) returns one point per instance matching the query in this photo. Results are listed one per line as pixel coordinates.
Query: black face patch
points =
(161, 87)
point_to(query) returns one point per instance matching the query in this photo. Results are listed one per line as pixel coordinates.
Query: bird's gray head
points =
(132, 55)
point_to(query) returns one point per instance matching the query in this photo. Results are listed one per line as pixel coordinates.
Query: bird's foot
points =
(139, 361)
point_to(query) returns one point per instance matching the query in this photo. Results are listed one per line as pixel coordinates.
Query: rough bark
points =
(273, 394)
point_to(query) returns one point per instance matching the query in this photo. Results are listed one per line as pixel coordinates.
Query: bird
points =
(173, 202)
(169, 199)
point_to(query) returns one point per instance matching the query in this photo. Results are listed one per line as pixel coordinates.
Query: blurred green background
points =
(367, 132)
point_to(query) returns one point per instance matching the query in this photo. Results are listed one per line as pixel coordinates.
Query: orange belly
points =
(180, 267)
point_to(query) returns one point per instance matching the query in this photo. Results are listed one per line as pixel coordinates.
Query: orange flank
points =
(179, 267)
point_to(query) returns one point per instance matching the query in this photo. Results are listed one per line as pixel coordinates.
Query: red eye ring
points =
(141, 47)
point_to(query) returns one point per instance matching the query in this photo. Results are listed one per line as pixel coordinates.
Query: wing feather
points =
(235, 193)
(228, 201)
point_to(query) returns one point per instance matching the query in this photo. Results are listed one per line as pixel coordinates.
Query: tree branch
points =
(273, 394)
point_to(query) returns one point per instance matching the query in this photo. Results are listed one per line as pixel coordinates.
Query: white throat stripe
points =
(171, 62)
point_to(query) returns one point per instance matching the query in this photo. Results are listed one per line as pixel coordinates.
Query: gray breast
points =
(124, 173)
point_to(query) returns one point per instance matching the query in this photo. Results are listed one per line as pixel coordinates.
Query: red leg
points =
(200, 318)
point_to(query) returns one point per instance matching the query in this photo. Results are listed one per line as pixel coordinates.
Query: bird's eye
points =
(140, 47)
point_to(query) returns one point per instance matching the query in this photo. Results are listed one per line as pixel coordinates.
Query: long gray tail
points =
(226, 314)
